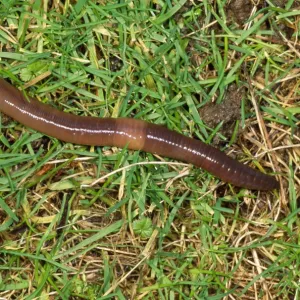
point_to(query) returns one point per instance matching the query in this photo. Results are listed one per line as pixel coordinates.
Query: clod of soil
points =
(228, 112)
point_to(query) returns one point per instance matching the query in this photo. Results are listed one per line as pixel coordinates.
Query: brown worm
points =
(131, 133)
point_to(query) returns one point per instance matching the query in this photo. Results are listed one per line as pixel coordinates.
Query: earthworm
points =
(131, 133)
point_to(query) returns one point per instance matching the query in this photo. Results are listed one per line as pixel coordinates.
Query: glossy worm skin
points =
(131, 133)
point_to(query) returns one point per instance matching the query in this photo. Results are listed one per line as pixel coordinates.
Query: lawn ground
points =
(82, 222)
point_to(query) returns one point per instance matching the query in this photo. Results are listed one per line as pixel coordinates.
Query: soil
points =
(228, 112)
(240, 10)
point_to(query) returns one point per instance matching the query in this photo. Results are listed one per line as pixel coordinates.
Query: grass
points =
(100, 222)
